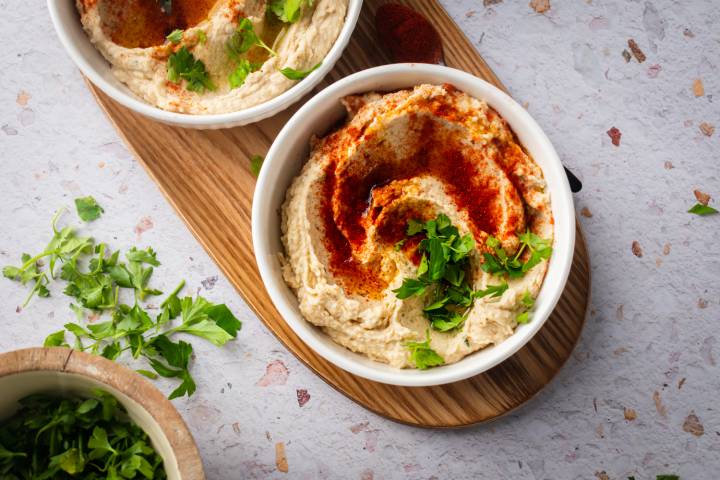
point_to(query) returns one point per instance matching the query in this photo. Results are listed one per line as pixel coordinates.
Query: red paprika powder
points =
(407, 35)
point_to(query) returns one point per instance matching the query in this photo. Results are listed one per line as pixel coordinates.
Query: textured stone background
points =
(650, 345)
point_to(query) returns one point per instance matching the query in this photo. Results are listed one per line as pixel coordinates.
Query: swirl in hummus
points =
(410, 155)
(139, 38)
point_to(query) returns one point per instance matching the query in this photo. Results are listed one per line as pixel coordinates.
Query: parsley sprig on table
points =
(53, 437)
(443, 272)
(94, 277)
(182, 65)
(702, 210)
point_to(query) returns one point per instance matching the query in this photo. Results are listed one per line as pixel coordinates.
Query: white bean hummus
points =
(406, 158)
(140, 37)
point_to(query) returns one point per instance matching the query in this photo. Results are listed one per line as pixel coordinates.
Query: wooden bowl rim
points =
(123, 379)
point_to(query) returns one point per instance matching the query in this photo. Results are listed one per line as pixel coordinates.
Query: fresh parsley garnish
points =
(702, 210)
(443, 272)
(244, 68)
(422, 355)
(243, 39)
(175, 36)
(501, 263)
(94, 277)
(182, 65)
(293, 74)
(201, 36)
(288, 11)
(527, 302)
(256, 163)
(88, 209)
(56, 437)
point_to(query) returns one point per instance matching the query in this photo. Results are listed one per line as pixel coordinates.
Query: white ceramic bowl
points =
(66, 372)
(289, 152)
(93, 65)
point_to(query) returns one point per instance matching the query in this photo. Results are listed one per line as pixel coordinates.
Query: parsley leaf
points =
(175, 36)
(500, 263)
(288, 11)
(256, 163)
(702, 210)
(243, 39)
(293, 74)
(422, 355)
(88, 209)
(183, 65)
(528, 302)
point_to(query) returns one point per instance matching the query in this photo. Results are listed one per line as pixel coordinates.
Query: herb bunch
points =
(130, 328)
(500, 263)
(443, 272)
(54, 437)
(182, 65)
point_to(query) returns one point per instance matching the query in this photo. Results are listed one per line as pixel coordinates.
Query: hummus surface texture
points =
(114, 28)
(411, 154)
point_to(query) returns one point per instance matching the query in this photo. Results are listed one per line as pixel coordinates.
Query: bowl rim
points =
(562, 202)
(66, 361)
(218, 120)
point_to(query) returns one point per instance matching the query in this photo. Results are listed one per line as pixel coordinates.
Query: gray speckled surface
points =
(650, 343)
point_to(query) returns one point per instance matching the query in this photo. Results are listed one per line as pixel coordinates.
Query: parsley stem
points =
(173, 293)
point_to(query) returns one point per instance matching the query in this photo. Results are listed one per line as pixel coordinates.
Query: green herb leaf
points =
(410, 287)
(702, 210)
(422, 355)
(55, 339)
(182, 65)
(88, 209)
(175, 36)
(289, 11)
(293, 74)
(492, 291)
(256, 163)
(243, 39)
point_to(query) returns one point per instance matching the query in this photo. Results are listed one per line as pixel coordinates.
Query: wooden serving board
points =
(206, 176)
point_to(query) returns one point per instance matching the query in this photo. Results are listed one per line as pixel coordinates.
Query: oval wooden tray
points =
(206, 177)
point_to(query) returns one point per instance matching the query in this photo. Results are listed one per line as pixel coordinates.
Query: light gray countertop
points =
(650, 343)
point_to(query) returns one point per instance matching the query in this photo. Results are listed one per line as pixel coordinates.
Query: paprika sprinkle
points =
(407, 35)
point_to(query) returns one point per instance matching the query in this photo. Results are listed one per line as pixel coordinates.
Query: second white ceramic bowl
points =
(93, 65)
(290, 150)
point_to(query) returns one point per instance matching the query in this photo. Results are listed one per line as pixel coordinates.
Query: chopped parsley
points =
(88, 209)
(244, 68)
(71, 437)
(243, 39)
(528, 302)
(288, 11)
(702, 210)
(293, 74)
(182, 65)
(442, 273)
(201, 36)
(422, 355)
(256, 163)
(94, 277)
(175, 36)
(500, 263)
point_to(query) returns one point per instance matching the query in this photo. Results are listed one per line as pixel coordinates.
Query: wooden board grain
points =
(206, 177)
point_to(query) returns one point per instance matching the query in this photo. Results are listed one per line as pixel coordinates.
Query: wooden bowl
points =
(66, 371)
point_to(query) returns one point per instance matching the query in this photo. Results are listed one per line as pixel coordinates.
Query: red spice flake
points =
(637, 249)
(276, 373)
(585, 212)
(707, 129)
(693, 426)
(302, 396)
(668, 165)
(666, 249)
(635, 49)
(702, 197)
(654, 70)
(281, 458)
(540, 6)
(698, 87)
(630, 414)
(407, 35)
(661, 409)
(614, 133)
(22, 98)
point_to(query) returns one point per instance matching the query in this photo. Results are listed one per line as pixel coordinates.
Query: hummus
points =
(411, 154)
(131, 35)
